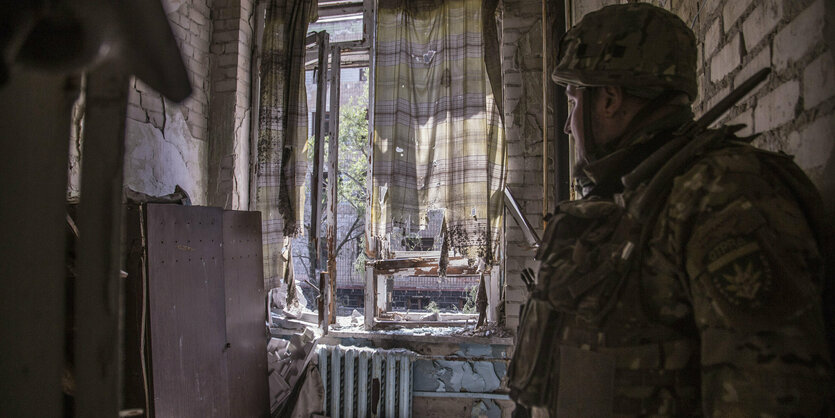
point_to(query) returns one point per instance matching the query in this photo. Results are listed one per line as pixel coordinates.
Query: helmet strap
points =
(591, 146)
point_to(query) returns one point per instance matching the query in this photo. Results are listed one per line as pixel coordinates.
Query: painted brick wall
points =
(203, 143)
(229, 113)
(166, 142)
(521, 49)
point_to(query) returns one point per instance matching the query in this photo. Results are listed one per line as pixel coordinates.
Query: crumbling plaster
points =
(166, 143)
(162, 153)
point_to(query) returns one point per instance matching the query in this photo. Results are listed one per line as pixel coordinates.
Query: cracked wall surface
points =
(166, 142)
(230, 104)
(161, 152)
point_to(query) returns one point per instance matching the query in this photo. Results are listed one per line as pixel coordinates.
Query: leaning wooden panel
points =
(186, 311)
(245, 314)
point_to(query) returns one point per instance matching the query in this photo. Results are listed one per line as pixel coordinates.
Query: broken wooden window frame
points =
(379, 273)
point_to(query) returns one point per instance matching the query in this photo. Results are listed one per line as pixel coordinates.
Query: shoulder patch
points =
(739, 273)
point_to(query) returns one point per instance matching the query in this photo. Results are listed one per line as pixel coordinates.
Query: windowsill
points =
(417, 335)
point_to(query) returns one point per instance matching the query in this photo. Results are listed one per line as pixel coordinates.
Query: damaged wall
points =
(230, 105)
(203, 143)
(165, 143)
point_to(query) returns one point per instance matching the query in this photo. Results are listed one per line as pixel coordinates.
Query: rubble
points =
(287, 360)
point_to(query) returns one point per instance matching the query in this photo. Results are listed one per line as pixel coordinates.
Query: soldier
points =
(687, 280)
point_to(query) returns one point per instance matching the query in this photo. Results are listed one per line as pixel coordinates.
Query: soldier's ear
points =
(610, 100)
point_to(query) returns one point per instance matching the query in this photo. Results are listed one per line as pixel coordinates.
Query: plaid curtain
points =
(282, 130)
(438, 140)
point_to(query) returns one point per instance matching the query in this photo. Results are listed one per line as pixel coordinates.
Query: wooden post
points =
(99, 289)
(35, 130)
(333, 179)
(318, 156)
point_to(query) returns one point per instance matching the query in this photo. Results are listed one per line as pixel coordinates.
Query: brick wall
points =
(203, 143)
(165, 142)
(794, 110)
(521, 49)
(230, 115)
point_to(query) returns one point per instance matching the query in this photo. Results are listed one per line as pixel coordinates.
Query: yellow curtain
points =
(282, 130)
(438, 141)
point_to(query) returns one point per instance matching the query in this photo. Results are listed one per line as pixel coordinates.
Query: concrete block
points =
(229, 13)
(533, 178)
(187, 50)
(712, 37)
(732, 11)
(799, 36)
(225, 36)
(151, 102)
(727, 60)
(512, 322)
(762, 20)
(813, 145)
(201, 44)
(762, 60)
(202, 8)
(136, 113)
(778, 107)
(819, 80)
(516, 294)
(515, 177)
(197, 14)
(225, 86)
(231, 46)
(180, 32)
(181, 21)
(198, 68)
(227, 60)
(518, 251)
(745, 118)
(198, 132)
(533, 159)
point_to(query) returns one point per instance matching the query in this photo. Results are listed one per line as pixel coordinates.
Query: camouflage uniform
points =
(704, 302)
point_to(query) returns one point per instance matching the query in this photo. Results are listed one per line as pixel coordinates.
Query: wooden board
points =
(245, 314)
(186, 311)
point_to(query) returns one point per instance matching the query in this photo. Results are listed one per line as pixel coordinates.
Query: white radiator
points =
(364, 382)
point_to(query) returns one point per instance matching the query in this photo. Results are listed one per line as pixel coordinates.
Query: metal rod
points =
(318, 156)
(370, 242)
(527, 230)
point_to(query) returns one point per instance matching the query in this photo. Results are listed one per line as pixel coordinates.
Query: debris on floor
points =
(287, 361)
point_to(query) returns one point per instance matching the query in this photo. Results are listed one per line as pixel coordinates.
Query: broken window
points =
(426, 245)
(438, 158)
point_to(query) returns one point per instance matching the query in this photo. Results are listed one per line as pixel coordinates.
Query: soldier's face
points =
(574, 122)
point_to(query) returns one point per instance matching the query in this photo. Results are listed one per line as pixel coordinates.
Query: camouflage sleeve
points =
(753, 272)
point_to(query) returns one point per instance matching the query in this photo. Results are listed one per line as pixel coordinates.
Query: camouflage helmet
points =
(635, 45)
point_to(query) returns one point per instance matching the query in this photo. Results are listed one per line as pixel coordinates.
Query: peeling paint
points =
(157, 160)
